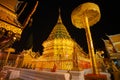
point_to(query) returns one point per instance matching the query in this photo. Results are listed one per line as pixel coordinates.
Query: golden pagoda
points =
(60, 47)
(59, 43)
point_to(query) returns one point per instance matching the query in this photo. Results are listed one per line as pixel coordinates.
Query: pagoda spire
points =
(59, 31)
(59, 18)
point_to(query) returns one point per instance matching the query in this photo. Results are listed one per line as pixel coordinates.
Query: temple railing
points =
(56, 64)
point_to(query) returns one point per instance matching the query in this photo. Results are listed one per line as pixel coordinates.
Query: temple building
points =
(10, 28)
(112, 45)
(60, 51)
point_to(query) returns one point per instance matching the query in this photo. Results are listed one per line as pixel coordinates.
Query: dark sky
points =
(46, 15)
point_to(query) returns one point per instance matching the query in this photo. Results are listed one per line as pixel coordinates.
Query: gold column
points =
(9, 50)
(8, 54)
(75, 60)
(17, 60)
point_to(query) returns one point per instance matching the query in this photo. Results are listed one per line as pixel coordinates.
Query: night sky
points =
(46, 16)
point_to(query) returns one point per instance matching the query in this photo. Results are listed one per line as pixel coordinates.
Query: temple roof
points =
(112, 45)
(10, 28)
(59, 31)
(10, 4)
(115, 40)
(8, 8)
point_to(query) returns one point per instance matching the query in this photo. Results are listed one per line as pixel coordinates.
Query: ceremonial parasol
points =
(84, 16)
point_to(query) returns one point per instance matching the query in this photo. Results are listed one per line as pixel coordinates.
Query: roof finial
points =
(59, 19)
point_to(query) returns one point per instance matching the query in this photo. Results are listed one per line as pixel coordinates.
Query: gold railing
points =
(57, 64)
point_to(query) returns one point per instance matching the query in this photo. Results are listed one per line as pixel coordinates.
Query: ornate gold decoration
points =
(8, 17)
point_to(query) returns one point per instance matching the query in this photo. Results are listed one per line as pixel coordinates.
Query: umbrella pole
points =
(90, 46)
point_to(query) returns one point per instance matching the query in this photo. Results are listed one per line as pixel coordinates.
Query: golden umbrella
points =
(84, 16)
(8, 50)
